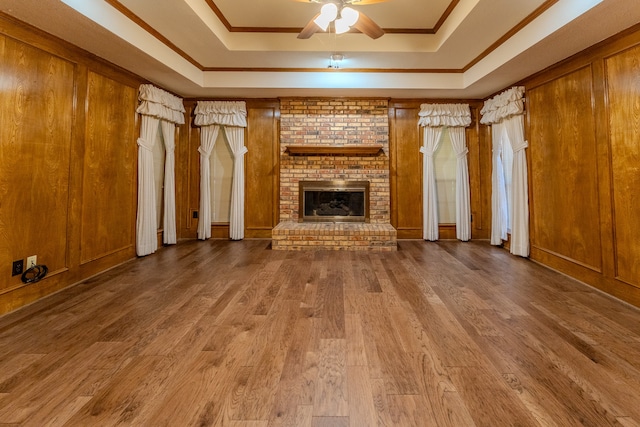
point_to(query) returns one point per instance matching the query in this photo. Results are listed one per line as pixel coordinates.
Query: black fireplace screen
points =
(335, 201)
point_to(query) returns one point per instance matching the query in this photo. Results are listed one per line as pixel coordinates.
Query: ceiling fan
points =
(343, 16)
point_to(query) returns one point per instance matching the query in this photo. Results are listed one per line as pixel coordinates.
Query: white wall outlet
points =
(32, 261)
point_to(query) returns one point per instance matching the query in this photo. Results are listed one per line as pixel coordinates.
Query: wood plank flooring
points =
(222, 333)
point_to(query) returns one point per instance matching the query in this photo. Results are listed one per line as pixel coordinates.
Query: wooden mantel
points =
(338, 150)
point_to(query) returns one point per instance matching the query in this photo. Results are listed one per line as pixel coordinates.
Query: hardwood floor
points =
(235, 334)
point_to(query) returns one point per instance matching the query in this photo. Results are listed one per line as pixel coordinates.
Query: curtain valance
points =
(502, 106)
(158, 103)
(438, 115)
(226, 113)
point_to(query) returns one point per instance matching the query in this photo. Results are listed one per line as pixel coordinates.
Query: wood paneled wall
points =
(406, 171)
(583, 127)
(67, 162)
(262, 171)
(262, 160)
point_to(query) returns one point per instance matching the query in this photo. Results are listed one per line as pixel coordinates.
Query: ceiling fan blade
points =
(310, 29)
(366, 26)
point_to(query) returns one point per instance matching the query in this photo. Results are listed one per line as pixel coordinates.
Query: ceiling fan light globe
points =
(322, 22)
(350, 15)
(341, 26)
(328, 13)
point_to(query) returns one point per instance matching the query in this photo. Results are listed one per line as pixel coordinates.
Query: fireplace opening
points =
(334, 201)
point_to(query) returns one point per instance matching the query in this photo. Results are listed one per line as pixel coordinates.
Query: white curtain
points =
(431, 140)
(507, 108)
(208, 137)
(235, 137)
(434, 117)
(463, 198)
(156, 105)
(169, 218)
(500, 216)
(519, 185)
(146, 219)
(210, 115)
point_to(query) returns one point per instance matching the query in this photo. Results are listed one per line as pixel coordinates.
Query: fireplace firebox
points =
(334, 201)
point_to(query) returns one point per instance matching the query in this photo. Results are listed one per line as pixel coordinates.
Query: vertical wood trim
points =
(276, 155)
(393, 167)
(189, 171)
(477, 187)
(76, 171)
(604, 162)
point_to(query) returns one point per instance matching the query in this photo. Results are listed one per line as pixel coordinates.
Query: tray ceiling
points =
(249, 48)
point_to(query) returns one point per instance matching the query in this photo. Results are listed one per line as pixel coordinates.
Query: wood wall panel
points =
(564, 174)
(406, 171)
(110, 168)
(261, 168)
(36, 108)
(623, 78)
(55, 97)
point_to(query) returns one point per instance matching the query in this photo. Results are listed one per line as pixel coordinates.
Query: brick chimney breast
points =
(336, 122)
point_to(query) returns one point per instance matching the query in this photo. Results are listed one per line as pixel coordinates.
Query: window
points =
(507, 167)
(158, 174)
(445, 162)
(221, 178)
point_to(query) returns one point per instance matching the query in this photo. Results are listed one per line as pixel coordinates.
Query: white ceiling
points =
(460, 49)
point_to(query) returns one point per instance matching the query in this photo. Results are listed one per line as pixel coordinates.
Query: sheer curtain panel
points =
(431, 140)
(520, 187)
(156, 106)
(232, 115)
(208, 137)
(434, 117)
(463, 198)
(507, 109)
(146, 220)
(169, 217)
(235, 136)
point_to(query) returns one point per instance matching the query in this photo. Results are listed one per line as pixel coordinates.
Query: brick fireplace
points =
(334, 140)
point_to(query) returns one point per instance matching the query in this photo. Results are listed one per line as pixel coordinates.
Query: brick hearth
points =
(335, 236)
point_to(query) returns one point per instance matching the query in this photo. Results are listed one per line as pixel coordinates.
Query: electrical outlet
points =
(18, 267)
(32, 261)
